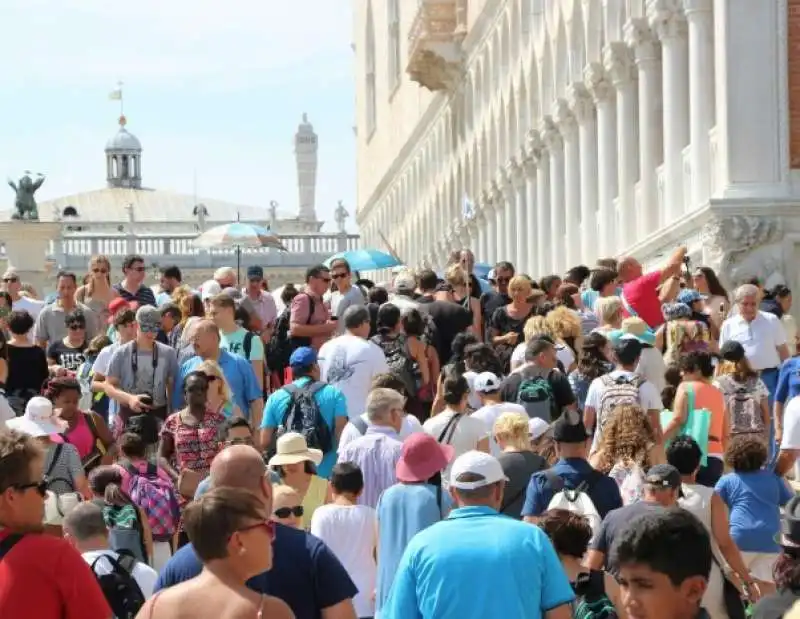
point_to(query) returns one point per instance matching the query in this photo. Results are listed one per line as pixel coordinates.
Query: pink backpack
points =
(156, 497)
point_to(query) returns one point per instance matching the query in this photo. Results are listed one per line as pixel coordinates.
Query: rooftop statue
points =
(340, 217)
(25, 203)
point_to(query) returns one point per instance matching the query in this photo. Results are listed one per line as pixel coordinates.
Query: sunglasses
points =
(285, 512)
(10, 280)
(76, 327)
(339, 275)
(267, 525)
(40, 486)
(103, 271)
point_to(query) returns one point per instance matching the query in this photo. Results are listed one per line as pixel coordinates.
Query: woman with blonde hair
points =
(534, 327)
(98, 292)
(627, 450)
(566, 326)
(609, 313)
(512, 435)
(232, 534)
(507, 323)
(458, 279)
(220, 397)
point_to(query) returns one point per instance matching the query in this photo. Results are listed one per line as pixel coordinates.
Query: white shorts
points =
(760, 564)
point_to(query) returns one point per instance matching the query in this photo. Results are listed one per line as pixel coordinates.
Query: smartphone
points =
(147, 400)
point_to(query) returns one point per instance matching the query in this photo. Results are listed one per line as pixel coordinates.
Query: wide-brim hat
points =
(291, 448)
(639, 329)
(422, 457)
(39, 419)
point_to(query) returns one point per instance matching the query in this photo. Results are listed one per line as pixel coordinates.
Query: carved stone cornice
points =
(549, 133)
(598, 83)
(667, 19)
(640, 36)
(486, 199)
(534, 145)
(692, 8)
(580, 102)
(527, 163)
(564, 118)
(514, 172)
(618, 62)
(496, 189)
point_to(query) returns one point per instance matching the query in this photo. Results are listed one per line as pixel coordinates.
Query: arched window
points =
(395, 61)
(370, 72)
(69, 211)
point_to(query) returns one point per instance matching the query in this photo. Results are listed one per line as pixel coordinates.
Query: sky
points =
(214, 91)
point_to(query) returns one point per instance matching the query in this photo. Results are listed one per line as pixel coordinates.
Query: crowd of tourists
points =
(598, 444)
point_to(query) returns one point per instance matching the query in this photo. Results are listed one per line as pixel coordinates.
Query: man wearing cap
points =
(330, 402)
(571, 470)
(405, 288)
(620, 386)
(132, 287)
(142, 372)
(117, 306)
(50, 324)
(414, 503)
(124, 325)
(261, 302)
(662, 486)
(476, 562)
(346, 295)
(487, 387)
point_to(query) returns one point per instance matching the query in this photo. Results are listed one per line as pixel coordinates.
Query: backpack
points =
(399, 360)
(744, 410)
(156, 497)
(125, 532)
(630, 480)
(618, 391)
(536, 395)
(303, 416)
(575, 500)
(591, 601)
(120, 588)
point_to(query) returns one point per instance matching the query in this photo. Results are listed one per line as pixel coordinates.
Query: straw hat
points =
(291, 448)
(39, 419)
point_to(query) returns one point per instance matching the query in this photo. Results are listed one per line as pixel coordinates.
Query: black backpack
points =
(120, 588)
(303, 416)
(399, 359)
(282, 344)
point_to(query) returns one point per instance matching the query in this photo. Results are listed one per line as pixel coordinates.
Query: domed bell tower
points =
(124, 159)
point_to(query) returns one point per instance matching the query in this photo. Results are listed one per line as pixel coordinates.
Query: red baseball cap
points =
(422, 457)
(119, 304)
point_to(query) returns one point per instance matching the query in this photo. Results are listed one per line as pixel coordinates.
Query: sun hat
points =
(638, 328)
(39, 419)
(537, 427)
(479, 464)
(689, 296)
(675, 311)
(486, 382)
(421, 458)
(291, 448)
(210, 288)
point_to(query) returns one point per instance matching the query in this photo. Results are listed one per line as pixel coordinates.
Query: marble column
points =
(701, 102)
(618, 60)
(568, 128)
(500, 211)
(553, 235)
(512, 199)
(582, 107)
(491, 228)
(527, 228)
(482, 254)
(669, 23)
(599, 86)
(541, 231)
(647, 52)
(520, 215)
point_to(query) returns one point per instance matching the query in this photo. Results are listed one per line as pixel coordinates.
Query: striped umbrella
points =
(238, 235)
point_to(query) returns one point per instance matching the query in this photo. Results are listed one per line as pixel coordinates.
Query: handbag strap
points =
(451, 426)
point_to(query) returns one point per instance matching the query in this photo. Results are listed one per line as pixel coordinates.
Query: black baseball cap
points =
(663, 476)
(569, 428)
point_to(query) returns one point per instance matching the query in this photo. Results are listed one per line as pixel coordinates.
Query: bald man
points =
(642, 295)
(237, 370)
(305, 573)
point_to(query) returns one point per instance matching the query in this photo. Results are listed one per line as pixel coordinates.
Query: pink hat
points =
(422, 458)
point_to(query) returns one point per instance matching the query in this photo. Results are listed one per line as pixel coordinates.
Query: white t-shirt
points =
(489, 414)
(351, 532)
(144, 575)
(563, 353)
(473, 401)
(791, 425)
(649, 398)
(410, 425)
(349, 363)
(466, 436)
(32, 306)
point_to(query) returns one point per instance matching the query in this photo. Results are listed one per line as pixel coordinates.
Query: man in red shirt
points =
(41, 576)
(642, 295)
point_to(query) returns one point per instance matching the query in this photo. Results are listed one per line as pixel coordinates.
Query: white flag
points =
(115, 95)
(467, 209)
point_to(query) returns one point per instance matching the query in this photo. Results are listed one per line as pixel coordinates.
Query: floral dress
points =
(195, 445)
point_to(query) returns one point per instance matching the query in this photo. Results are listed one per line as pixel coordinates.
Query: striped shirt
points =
(376, 454)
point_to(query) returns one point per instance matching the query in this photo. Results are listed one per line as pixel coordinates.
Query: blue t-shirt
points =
(332, 405)
(403, 511)
(237, 371)
(788, 381)
(476, 560)
(753, 500)
(305, 573)
(603, 490)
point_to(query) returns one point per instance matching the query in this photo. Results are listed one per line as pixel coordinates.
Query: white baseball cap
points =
(486, 382)
(477, 463)
(537, 427)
